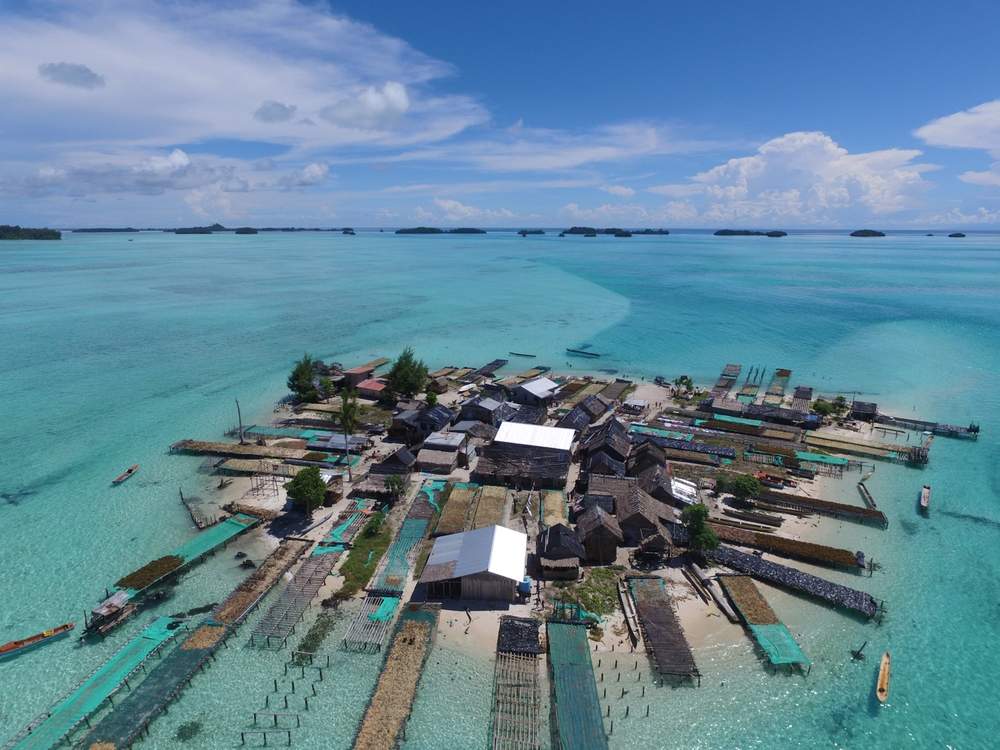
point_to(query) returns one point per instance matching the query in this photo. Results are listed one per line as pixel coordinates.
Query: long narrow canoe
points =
(125, 474)
(15, 647)
(882, 688)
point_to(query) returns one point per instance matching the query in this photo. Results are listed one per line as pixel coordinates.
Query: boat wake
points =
(973, 519)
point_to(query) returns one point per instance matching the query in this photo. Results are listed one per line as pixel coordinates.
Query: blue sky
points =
(513, 114)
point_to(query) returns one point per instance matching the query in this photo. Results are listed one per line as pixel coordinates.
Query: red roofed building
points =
(372, 388)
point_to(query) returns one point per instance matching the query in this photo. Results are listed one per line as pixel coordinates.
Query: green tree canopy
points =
(695, 518)
(307, 490)
(408, 375)
(396, 486)
(301, 380)
(349, 411)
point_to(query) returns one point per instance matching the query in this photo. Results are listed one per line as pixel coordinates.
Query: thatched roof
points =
(596, 519)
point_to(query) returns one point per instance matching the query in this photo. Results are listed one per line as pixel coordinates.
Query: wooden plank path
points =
(517, 695)
(235, 450)
(661, 630)
(780, 545)
(825, 507)
(123, 725)
(273, 629)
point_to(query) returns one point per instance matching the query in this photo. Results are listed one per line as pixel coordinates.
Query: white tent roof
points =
(538, 436)
(491, 549)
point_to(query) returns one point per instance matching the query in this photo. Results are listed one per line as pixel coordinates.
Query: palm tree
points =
(349, 423)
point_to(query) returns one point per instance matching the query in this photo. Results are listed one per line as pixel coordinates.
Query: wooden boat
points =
(925, 499)
(16, 647)
(521, 354)
(882, 687)
(125, 474)
(582, 353)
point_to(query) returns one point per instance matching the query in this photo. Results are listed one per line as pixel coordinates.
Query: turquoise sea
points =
(114, 346)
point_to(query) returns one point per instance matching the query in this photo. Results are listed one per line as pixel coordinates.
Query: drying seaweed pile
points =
(747, 597)
(260, 582)
(204, 637)
(817, 553)
(781, 575)
(390, 705)
(150, 573)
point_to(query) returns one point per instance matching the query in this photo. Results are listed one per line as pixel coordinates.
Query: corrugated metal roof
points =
(535, 435)
(491, 549)
(540, 387)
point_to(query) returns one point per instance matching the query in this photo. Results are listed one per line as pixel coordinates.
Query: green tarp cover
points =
(642, 429)
(92, 693)
(820, 458)
(385, 609)
(577, 707)
(738, 420)
(778, 644)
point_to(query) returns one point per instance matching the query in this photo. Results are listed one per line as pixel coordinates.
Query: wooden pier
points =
(793, 548)
(272, 630)
(235, 450)
(790, 578)
(517, 698)
(392, 700)
(727, 379)
(938, 428)
(661, 631)
(124, 724)
(576, 707)
(770, 633)
(825, 507)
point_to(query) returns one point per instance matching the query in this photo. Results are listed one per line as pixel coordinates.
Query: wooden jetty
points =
(485, 371)
(866, 495)
(727, 380)
(770, 633)
(52, 727)
(129, 718)
(517, 696)
(392, 700)
(576, 708)
(774, 573)
(937, 428)
(661, 630)
(272, 630)
(235, 450)
(794, 548)
(775, 393)
(825, 507)
(917, 455)
(122, 604)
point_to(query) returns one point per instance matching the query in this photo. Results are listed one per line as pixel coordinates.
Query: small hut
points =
(600, 535)
(559, 553)
(638, 515)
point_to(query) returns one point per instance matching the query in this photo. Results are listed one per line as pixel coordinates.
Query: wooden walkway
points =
(273, 629)
(825, 507)
(794, 548)
(665, 641)
(834, 594)
(235, 450)
(517, 694)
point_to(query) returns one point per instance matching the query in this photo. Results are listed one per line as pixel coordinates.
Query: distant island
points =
(292, 229)
(348, 230)
(197, 230)
(622, 233)
(9, 232)
(867, 233)
(651, 231)
(106, 229)
(438, 230)
(750, 233)
(245, 230)
(613, 231)
(526, 232)
(957, 234)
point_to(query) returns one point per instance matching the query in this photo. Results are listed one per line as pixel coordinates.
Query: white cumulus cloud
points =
(622, 191)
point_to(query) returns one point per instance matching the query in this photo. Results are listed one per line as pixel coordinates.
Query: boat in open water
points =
(22, 645)
(882, 687)
(125, 474)
(925, 499)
